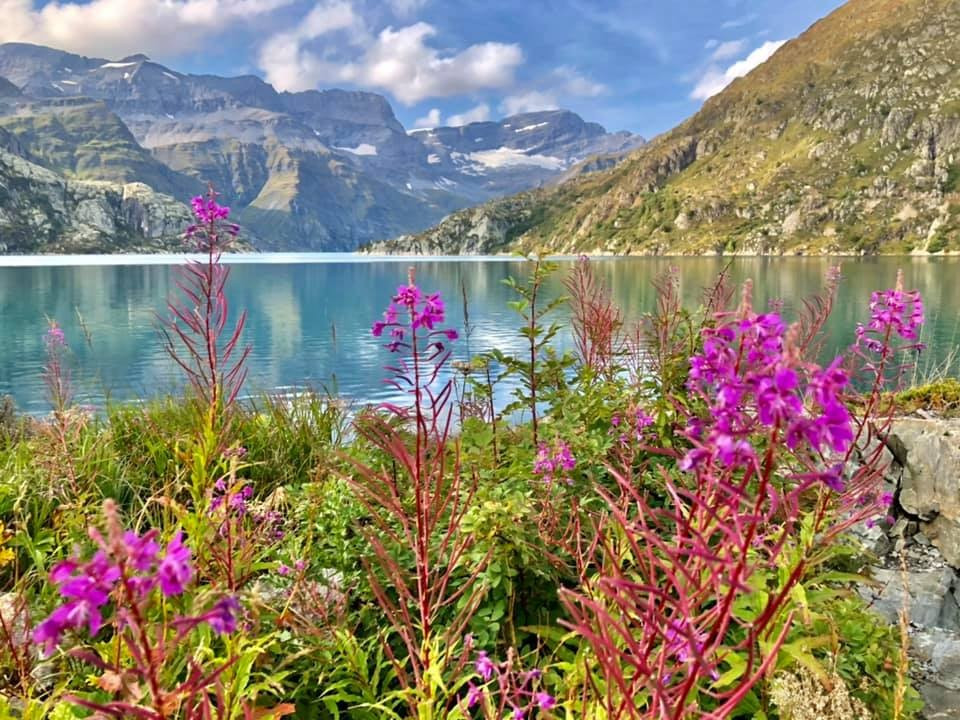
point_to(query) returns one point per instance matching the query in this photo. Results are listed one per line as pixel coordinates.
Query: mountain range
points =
(847, 140)
(102, 155)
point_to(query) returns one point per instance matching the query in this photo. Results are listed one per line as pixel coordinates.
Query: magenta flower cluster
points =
(630, 425)
(895, 313)
(754, 380)
(235, 505)
(210, 214)
(137, 564)
(554, 462)
(234, 502)
(686, 644)
(517, 689)
(421, 311)
(127, 569)
(54, 338)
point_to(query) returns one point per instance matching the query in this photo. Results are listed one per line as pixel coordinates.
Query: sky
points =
(637, 65)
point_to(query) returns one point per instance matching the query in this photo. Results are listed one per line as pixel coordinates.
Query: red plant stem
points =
(146, 647)
(533, 350)
(423, 531)
(208, 330)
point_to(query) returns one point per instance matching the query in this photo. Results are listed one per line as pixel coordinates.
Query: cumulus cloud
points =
(567, 81)
(739, 22)
(530, 101)
(561, 84)
(728, 49)
(715, 78)
(479, 113)
(398, 60)
(114, 28)
(430, 120)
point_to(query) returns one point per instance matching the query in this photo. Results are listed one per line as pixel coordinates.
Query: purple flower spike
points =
(175, 571)
(484, 665)
(545, 701)
(222, 619)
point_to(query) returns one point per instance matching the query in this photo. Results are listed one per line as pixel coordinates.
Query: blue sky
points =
(638, 65)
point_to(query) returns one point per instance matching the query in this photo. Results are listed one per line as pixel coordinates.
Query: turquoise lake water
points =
(310, 315)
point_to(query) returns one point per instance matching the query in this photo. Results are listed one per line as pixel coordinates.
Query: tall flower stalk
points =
(196, 333)
(417, 496)
(680, 618)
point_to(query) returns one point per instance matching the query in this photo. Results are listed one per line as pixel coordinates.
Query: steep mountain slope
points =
(84, 140)
(846, 140)
(310, 170)
(41, 211)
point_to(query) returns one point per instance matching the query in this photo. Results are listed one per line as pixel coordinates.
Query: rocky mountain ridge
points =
(847, 140)
(315, 170)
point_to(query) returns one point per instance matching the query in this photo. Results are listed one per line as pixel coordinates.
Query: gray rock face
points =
(930, 485)
(316, 170)
(42, 211)
(924, 473)
(929, 596)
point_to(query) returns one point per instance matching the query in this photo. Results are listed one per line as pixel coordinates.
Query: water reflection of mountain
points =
(310, 322)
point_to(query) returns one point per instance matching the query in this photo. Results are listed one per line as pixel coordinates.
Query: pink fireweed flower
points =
(207, 210)
(423, 312)
(894, 314)
(474, 695)
(87, 586)
(484, 665)
(554, 460)
(222, 619)
(545, 701)
(755, 382)
(54, 337)
(630, 425)
(684, 643)
(175, 570)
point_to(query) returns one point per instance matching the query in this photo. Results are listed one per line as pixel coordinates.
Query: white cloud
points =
(405, 8)
(430, 120)
(739, 22)
(715, 79)
(397, 60)
(479, 113)
(711, 44)
(728, 49)
(113, 28)
(529, 102)
(570, 82)
(563, 83)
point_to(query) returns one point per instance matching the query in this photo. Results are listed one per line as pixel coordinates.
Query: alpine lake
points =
(309, 315)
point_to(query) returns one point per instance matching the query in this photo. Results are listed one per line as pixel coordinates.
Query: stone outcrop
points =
(41, 211)
(924, 475)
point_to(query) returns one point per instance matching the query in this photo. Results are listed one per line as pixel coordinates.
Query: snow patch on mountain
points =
(361, 149)
(511, 157)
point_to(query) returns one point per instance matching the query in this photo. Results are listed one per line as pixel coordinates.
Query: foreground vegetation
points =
(655, 527)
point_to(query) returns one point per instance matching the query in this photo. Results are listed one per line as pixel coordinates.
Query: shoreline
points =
(293, 257)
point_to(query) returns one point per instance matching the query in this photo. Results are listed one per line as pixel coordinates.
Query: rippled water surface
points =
(310, 315)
